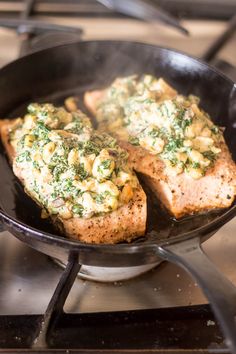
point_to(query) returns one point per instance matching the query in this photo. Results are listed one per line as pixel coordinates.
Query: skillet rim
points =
(47, 237)
(169, 49)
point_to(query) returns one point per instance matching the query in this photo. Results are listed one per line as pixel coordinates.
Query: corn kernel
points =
(71, 104)
(195, 173)
(73, 157)
(109, 187)
(48, 150)
(196, 156)
(29, 139)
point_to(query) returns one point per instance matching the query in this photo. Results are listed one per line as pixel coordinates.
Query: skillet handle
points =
(1, 226)
(220, 292)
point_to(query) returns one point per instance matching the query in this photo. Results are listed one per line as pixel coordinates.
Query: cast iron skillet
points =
(53, 74)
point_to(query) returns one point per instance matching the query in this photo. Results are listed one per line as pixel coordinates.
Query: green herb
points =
(36, 165)
(67, 185)
(91, 147)
(111, 143)
(164, 110)
(117, 170)
(42, 115)
(106, 164)
(80, 170)
(100, 198)
(66, 188)
(78, 209)
(58, 170)
(181, 113)
(148, 101)
(215, 129)
(154, 133)
(45, 201)
(163, 133)
(182, 122)
(75, 127)
(133, 140)
(54, 195)
(41, 131)
(60, 157)
(35, 187)
(186, 123)
(173, 160)
(195, 165)
(209, 155)
(174, 144)
(112, 91)
(25, 156)
(123, 155)
(21, 142)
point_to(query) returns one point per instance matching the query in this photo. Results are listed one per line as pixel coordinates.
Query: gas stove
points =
(160, 310)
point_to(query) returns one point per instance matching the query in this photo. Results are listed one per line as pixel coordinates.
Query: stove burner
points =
(102, 274)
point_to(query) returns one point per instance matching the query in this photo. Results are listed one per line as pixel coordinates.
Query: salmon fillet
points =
(124, 224)
(180, 194)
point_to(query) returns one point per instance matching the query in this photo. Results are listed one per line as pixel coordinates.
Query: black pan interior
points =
(54, 74)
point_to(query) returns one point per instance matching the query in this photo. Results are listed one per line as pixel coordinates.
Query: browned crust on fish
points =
(124, 224)
(181, 194)
(5, 127)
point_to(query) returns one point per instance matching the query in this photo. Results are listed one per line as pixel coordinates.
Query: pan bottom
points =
(110, 274)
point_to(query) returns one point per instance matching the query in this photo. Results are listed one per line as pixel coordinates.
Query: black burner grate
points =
(185, 327)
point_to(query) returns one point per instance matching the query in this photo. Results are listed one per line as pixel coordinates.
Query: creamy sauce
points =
(150, 113)
(67, 167)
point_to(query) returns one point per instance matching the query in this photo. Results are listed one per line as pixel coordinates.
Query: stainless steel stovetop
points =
(28, 278)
